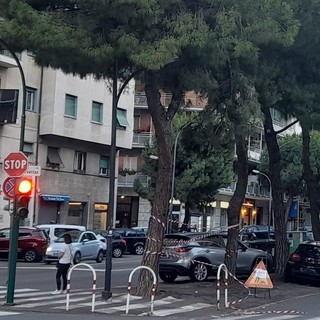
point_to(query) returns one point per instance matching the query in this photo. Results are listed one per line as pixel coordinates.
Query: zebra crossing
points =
(81, 301)
(28, 299)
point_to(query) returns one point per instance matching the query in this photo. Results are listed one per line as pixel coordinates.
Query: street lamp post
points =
(169, 221)
(270, 197)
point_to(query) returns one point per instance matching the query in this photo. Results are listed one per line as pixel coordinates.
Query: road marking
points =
(182, 309)
(5, 313)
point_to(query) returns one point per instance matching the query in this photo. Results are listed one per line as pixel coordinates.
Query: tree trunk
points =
(236, 202)
(186, 221)
(159, 211)
(281, 242)
(311, 181)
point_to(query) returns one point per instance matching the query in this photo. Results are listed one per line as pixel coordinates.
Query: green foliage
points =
(204, 159)
(292, 181)
(86, 36)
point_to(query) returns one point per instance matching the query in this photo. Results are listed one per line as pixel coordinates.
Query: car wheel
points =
(168, 277)
(30, 255)
(117, 252)
(77, 258)
(139, 249)
(199, 272)
(100, 256)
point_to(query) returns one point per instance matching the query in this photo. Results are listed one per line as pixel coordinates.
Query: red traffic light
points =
(23, 192)
(24, 187)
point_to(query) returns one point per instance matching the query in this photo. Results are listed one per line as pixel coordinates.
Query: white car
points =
(85, 246)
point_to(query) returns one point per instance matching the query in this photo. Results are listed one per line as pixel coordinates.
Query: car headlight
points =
(49, 249)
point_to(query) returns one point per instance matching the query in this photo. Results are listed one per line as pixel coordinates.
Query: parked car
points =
(256, 232)
(142, 229)
(85, 246)
(119, 246)
(55, 230)
(32, 243)
(304, 262)
(180, 250)
(135, 239)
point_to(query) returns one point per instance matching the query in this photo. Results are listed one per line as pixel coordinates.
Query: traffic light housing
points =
(23, 194)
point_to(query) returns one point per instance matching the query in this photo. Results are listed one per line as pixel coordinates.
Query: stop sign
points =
(15, 164)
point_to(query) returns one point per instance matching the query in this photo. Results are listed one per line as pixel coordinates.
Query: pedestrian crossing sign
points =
(259, 278)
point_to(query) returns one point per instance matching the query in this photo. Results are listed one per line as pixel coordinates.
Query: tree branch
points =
(287, 127)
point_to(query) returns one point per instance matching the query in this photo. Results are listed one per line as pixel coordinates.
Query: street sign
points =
(15, 164)
(33, 171)
(8, 187)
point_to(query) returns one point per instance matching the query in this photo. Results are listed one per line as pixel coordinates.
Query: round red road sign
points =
(8, 187)
(15, 164)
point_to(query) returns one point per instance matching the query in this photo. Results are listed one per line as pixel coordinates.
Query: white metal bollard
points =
(224, 268)
(153, 287)
(94, 282)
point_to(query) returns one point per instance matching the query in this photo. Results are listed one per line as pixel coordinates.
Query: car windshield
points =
(75, 235)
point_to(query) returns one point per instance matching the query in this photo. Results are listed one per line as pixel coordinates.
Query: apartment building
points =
(133, 210)
(68, 134)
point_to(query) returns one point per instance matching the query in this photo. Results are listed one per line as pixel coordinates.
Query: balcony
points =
(128, 180)
(6, 59)
(140, 100)
(142, 139)
(254, 154)
(253, 189)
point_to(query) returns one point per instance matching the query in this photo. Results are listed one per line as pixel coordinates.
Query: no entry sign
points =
(15, 164)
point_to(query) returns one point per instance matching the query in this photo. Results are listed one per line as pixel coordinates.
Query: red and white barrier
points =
(94, 282)
(153, 291)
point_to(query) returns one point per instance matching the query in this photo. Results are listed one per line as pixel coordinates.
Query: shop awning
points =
(55, 197)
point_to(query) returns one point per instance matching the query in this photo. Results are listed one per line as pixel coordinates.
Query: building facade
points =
(68, 134)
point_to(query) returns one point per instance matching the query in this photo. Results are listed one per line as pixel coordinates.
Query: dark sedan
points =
(304, 263)
(119, 245)
(135, 239)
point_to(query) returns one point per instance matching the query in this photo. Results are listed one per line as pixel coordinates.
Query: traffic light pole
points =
(14, 226)
(13, 249)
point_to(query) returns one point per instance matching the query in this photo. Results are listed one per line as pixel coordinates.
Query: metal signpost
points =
(15, 165)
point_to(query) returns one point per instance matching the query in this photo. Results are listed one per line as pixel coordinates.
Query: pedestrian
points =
(63, 265)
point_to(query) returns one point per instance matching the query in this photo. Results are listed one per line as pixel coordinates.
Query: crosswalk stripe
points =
(122, 308)
(6, 313)
(188, 308)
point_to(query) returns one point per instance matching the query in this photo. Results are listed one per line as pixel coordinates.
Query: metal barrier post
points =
(224, 268)
(94, 282)
(153, 287)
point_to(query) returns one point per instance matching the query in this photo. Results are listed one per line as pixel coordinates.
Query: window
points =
(31, 99)
(80, 161)
(104, 166)
(70, 106)
(53, 158)
(122, 121)
(27, 148)
(96, 112)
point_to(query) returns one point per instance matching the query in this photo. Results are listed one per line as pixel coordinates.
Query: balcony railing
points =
(252, 189)
(140, 99)
(142, 139)
(128, 180)
(6, 59)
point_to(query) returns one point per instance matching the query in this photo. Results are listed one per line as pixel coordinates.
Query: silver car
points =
(85, 246)
(198, 255)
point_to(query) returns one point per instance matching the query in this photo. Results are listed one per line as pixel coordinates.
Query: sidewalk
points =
(239, 298)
